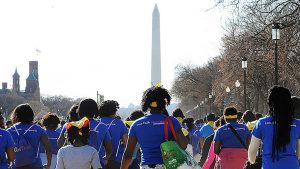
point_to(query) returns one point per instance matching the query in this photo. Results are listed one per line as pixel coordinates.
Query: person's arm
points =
(95, 162)
(129, 150)
(253, 148)
(217, 147)
(181, 140)
(45, 142)
(10, 154)
(201, 142)
(108, 150)
(59, 162)
(124, 139)
(248, 140)
(206, 148)
(61, 140)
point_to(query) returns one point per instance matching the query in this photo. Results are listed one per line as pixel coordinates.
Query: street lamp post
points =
(244, 66)
(210, 101)
(227, 91)
(276, 37)
(237, 86)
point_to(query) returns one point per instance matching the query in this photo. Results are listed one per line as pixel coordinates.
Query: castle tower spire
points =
(16, 82)
(156, 59)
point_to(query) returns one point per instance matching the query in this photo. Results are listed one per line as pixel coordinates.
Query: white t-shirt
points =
(70, 157)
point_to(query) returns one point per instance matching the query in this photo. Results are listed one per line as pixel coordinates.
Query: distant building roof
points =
(31, 76)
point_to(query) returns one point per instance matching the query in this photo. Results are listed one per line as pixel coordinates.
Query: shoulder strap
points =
(168, 122)
(107, 131)
(237, 136)
(25, 130)
(28, 129)
(16, 130)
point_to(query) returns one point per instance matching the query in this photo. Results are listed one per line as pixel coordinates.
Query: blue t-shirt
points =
(34, 136)
(6, 142)
(206, 130)
(52, 137)
(227, 137)
(102, 135)
(264, 130)
(149, 132)
(116, 130)
(194, 140)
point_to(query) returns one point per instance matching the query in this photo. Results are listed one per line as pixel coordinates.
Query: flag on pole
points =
(37, 51)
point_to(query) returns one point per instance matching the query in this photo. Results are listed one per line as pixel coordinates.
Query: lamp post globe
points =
(276, 36)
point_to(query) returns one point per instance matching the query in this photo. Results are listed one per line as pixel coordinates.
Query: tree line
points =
(248, 34)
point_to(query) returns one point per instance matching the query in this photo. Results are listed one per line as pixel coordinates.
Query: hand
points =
(46, 166)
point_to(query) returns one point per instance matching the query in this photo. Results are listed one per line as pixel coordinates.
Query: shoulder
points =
(90, 148)
(4, 132)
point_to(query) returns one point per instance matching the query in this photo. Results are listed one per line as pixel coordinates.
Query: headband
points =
(231, 117)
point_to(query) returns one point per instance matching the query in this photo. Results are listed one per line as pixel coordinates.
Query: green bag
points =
(173, 155)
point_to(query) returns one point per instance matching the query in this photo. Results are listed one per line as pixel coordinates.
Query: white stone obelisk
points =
(155, 60)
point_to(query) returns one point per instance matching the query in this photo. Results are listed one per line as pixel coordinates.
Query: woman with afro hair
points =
(148, 131)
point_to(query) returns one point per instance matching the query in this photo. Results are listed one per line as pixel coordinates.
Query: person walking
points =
(27, 137)
(117, 129)
(50, 121)
(79, 154)
(7, 154)
(278, 132)
(148, 131)
(231, 141)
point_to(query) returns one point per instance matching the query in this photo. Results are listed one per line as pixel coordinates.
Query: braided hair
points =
(281, 110)
(155, 97)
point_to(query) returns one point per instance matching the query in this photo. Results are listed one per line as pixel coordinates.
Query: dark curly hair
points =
(73, 134)
(72, 113)
(229, 111)
(136, 115)
(248, 116)
(178, 113)
(156, 94)
(50, 120)
(281, 110)
(22, 113)
(87, 108)
(108, 108)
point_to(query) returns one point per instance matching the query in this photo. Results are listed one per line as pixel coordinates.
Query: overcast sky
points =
(104, 45)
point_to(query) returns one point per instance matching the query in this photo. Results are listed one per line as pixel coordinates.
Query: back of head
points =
(22, 113)
(281, 110)
(211, 117)
(230, 114)
(296, 106)
(248, 116)
(239, 115)
(199, 121)
(78, 131)
(50, 121)
(178, 113)
(87, 108)
(108, 108)
(155, 98)
(73, 114)
(258, 116)
(189, 123)
(136, 115)
(219, 122)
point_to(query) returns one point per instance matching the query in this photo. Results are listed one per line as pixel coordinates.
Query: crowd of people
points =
(94, 137)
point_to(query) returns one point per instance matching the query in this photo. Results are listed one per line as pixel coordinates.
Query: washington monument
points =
(155, 60)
